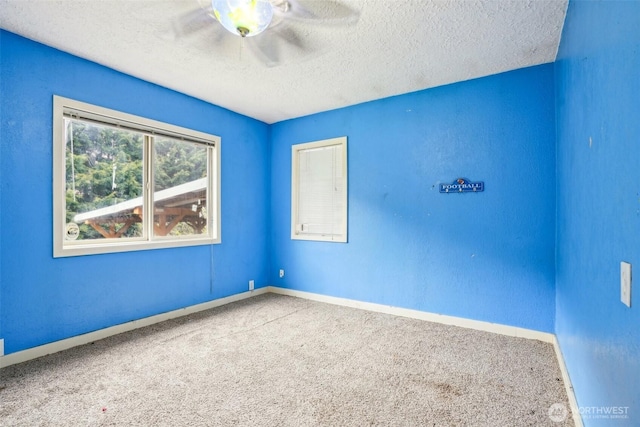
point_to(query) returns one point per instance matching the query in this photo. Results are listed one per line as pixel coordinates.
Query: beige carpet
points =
(282, 361)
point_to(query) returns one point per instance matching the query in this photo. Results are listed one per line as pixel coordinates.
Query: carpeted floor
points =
(281, 361)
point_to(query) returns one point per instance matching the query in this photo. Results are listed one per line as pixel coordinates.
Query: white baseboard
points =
(496, 328)
(54, 347)
(454, 321)
(573, 402)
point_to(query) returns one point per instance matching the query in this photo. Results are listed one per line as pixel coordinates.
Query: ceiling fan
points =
(267, 27)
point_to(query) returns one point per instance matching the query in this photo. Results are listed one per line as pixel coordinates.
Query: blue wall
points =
(598, 122)
(45, 299)
(1, 145)
(487, 256)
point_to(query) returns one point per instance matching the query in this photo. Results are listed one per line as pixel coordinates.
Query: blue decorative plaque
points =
(462, 185)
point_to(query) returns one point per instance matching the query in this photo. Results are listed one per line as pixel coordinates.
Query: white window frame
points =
(339, 234)
(63, 247)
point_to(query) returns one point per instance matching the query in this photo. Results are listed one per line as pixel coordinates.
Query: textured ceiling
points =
(395, 47)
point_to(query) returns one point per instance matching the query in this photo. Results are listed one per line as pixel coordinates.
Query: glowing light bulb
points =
(246, 18)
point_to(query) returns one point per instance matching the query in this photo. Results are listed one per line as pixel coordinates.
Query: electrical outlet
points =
(251, 285)
(625, 283)
(281, 273)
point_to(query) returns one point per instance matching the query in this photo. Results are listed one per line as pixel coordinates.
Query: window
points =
(319, 190)
(124, 183)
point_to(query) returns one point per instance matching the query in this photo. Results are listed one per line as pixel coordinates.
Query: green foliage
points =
(104, 166)
(177, 162)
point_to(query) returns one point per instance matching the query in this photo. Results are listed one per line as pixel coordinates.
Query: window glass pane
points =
(180, 188)
(103, 181)
(125, 183)
(320, 191)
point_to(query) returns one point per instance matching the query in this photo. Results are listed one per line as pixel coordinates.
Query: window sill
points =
(129, 246)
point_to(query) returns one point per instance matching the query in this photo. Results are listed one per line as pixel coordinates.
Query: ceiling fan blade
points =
(291, 36)
(191, 22)
(197, 21)
(272, 48)
(291, 8)
(267, 49)
(282, 40)
(332, 12)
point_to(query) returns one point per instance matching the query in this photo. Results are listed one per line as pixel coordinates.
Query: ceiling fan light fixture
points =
(245, 18)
